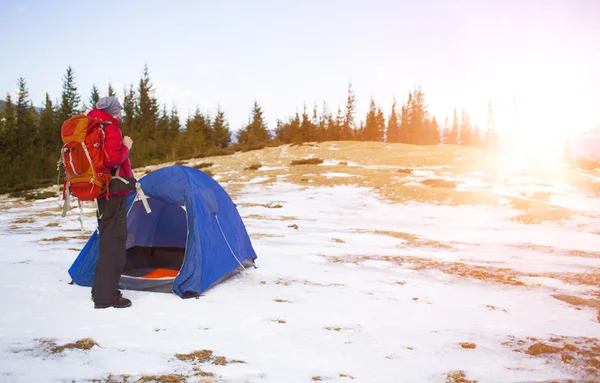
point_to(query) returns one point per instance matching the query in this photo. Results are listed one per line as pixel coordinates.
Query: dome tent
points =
(193, 238)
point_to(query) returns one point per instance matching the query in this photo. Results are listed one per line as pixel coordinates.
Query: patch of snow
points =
(257, 180)
(334, 175)
(267, 168)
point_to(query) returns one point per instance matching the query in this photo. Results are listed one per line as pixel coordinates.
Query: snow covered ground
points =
(348, 288)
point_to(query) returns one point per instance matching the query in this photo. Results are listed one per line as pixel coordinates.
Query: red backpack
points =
(83, 156)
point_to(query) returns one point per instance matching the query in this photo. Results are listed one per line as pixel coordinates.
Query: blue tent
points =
(193, 239)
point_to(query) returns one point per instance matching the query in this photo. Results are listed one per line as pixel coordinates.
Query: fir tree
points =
(221, 133)
(70, 99)
(465, 129)
(322, 125)
(453, 136)
(393, 127)
(418, 118)
(255, 133)
(94, 97)
(405, 113)
(373, 131)
(145, 119)
(129, 107)
(348, 123)
(49, 136)
(307, 128)
(111, 90)
(174, 132)
(162, 133)
(433, 132)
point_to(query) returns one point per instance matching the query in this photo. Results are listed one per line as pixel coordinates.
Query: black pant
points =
(112, 226)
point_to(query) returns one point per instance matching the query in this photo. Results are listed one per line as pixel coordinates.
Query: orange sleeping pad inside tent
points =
(161, 273)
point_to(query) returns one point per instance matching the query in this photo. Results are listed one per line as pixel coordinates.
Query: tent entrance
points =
(156, 245)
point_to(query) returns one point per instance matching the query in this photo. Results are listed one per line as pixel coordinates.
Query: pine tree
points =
(380, 124)
(49, 137)
(418, 118)
(433, 132)
(111, 90)
(315, 123)
(194, 139)
(306, 127)
(129, 107)
(370, 132)
(8, 145)
(256, 133)
(163, 136)
(23, 138)
(175, 135)
(221, 133)
(322, 125)
(453, 137)
(334, 126)
(94, 97)
(70, 99)
(348, 124)
(405, 113)
(465, 129)
(393, 127)
(145, 120)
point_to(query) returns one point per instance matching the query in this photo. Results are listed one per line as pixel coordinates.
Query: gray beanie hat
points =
(110, 104)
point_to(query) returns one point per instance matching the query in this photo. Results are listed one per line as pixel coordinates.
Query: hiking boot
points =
(120, 303)
(118, 292)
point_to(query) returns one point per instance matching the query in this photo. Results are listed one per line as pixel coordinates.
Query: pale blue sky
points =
(285, 53)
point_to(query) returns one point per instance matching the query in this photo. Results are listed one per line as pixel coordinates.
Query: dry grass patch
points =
(203, 165)
(484, 273)
(23, 220)
(293, 226)
(170, 378)
(278, 300)
(254, 167)
(337, 240)
(53, 224)
(536, 212)
(580, 353)
(578, 301)
(307, 161)
(82, 344)
(458, 377)
(220, 361)
(342, 375)
(62, 238)
(316, 378)
(199, 372)
(200, 356)
(281, 321)
(439, 183)
(590, 278)
(468, 345)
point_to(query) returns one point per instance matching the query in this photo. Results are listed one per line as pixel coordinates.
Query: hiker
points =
(112, 208)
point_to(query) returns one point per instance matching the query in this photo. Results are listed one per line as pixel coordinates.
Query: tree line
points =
(30, 141)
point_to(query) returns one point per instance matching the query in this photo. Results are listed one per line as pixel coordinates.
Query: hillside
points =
(376, 263)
